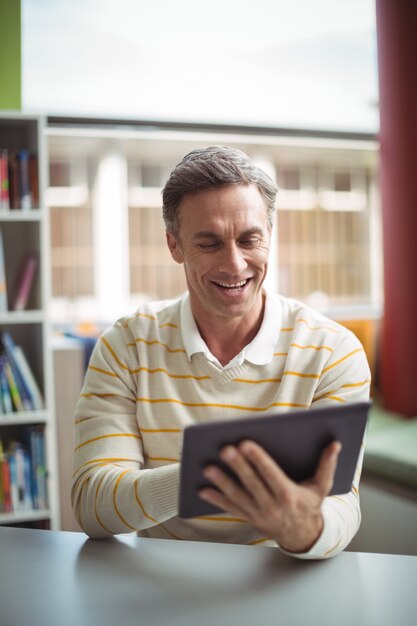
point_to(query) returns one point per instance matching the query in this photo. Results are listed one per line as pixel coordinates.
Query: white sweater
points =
(142, 388)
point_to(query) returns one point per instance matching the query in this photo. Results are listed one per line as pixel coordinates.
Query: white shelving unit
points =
(23, 232)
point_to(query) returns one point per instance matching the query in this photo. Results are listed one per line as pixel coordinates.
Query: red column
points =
(397, 60)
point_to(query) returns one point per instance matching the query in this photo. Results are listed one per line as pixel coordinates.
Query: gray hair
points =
(208, 168)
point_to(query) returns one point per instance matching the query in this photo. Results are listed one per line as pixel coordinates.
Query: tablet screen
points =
(295, 440)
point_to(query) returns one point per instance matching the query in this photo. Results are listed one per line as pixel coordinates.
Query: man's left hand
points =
(277, 507)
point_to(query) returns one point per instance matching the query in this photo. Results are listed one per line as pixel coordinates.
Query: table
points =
(63, 578)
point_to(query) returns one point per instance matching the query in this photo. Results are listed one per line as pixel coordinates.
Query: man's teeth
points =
(234, 285)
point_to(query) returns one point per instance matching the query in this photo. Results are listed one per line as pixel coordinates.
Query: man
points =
(224, 349)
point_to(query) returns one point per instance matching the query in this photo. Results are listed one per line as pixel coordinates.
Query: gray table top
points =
(64, 578)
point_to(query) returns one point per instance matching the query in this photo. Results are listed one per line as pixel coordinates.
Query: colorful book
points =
(3, 282)
(5, 480)
(40, 468)
(29, 378)
(25, 281)
(34, 460)
(14, 195)
(13, 388)
(4, 180)
(1, 477)
(20, 489)
(7, 348)
(6, 398)
(24, 187)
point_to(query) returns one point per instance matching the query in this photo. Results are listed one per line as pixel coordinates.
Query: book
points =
(30, 380)
(7, 348)
(1, 477)
(13, 388)
(25, 280)
(20, 481)
(3, 282)
(14, 196)
(39, 472)
(6, 398)
(34, 180)
(23, 177)
(6, 504)
(4, 180)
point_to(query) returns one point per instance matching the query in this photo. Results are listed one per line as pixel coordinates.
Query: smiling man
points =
(224, 349)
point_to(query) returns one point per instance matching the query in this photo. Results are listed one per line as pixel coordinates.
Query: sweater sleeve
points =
(345, 378)
(111, 491)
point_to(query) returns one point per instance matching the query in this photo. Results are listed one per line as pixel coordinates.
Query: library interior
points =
(98, 103)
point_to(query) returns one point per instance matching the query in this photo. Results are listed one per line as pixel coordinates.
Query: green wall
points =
(10, 55)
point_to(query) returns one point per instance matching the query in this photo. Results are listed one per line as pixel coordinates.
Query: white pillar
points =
(111, 240)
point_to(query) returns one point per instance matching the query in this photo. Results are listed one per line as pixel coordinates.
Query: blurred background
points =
(123, 90)
(224, 73)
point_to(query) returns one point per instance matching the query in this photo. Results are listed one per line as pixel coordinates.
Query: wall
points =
(10, 55)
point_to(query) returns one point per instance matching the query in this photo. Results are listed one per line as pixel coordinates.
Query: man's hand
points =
(267, 499)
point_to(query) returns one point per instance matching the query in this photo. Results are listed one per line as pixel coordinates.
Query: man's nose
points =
(232, 260)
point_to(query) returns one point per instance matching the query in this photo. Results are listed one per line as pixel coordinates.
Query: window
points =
(69, 199)
(325, 244)
(109, 250)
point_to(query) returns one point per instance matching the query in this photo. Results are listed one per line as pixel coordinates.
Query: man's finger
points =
(274, 477)
(326, 468)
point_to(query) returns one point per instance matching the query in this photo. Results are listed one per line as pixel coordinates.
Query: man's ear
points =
(174, 248)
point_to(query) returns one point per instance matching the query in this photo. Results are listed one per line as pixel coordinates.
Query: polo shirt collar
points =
(259, 351)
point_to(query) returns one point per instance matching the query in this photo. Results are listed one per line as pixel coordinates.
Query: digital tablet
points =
(295, 440)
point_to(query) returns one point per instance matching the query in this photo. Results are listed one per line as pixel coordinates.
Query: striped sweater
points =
(141, 389)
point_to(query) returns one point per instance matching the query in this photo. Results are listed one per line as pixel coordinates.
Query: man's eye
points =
(250, 243)
(208, 246)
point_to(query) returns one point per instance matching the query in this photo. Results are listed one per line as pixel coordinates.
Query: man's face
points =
(223, 242)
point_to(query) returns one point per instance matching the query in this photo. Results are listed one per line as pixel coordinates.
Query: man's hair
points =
(209, 168)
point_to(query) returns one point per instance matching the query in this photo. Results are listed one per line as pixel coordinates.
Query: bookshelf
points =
(25, 230)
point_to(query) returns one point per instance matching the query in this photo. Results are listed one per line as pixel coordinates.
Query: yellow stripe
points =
(280, 353)
(330, 395)
(342, 400)
(160, 369)
(255, 382)
(81, 419)
(346, 386)
(339, 499)
(130, 319)
(333, 330)
(98, 369)
(329, 367)
(104, 461)
(150, 317)
(154, 342)
(331, 549)
(295, 345)
(170, 533)
(80, 445)
(221, 406)
(114, 355)
(152, 519)
(254, 543)
(161, 430)
(162, 458)
(95, 507)
(301, 375)
(149, 371)
(115, 502)
(104, 395)
(141, 505)
(364, 382)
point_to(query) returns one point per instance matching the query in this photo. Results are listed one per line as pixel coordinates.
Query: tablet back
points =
(295, 440)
